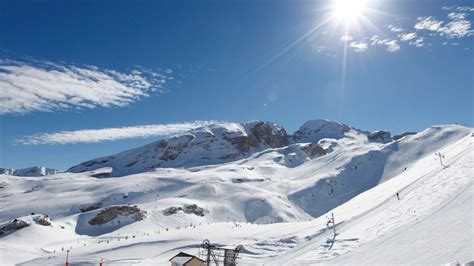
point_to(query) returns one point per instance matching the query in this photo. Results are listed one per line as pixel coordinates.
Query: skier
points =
(398, 196)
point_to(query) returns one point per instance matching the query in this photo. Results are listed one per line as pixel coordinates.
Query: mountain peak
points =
(314, 130)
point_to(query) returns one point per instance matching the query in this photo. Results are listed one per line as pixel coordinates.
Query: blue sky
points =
(95, 65)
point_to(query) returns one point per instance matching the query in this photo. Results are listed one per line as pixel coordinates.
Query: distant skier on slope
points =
(398, 196)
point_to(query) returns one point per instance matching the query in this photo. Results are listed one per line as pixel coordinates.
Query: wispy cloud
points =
(346, 38)
(404, 37)
(31, 85)
(418, 42)
(323, 50)
(455, 24)
(459, 8)
(457, 27)
(394, 28)
(359, 47)
(412, 39)
(457, 16)
(110, 134)
(391, 45)
(428, 23)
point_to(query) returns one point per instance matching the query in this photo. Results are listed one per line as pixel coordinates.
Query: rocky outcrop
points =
(42, 219)
(270, 134)
(109, 214)
(188, 208)
(260, 134)
(400, 136)
(246, 180)
(13, 226)
(381, 136)
(313, 150)
(20, 223)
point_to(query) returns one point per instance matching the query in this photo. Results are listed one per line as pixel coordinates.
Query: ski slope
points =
(431, 224)
(274, 203)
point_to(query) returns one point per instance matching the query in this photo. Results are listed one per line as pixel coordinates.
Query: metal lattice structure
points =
(219, 256)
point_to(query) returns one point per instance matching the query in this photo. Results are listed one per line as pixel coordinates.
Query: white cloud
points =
(346, 38)
(359, 47)
(457, 16)
(459, 8)
(395, 28)
(110, 134)
(391, 45)
(418, 42)
(458, 27)
(29, 86)
(404, 37)
(428, 23)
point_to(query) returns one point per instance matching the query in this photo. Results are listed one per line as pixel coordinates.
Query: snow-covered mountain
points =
(253, 184)
(315, 130)
(217, 143)
(29, 171)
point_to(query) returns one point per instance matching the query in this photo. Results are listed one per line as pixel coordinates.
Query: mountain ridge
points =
(215, 144)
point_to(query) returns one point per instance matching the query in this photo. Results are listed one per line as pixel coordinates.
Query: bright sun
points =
(348, 10)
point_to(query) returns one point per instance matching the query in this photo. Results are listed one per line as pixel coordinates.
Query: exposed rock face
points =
(400, 136)
(189, 209)
(17, 224)
(315, 130)
(270, 134)
(13, 226)
(42, 220)
(29, 171)
(202, 146)
(260, 134)
(109, 214)
(313, 150)
(379, 136)
(246, 180)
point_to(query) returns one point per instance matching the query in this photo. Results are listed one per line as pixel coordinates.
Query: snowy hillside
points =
(252, 184)
(29, 171)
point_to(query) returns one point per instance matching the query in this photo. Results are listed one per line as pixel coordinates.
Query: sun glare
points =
(348, 10)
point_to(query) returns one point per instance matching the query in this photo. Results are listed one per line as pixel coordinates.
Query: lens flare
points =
(348, 10)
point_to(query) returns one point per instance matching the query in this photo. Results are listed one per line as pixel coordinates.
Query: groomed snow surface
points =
(275, 203)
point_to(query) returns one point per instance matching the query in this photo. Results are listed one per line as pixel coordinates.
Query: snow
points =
(274, 202)
(29, 171)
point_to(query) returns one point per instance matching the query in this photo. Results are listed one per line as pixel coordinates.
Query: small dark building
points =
(185, 259)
